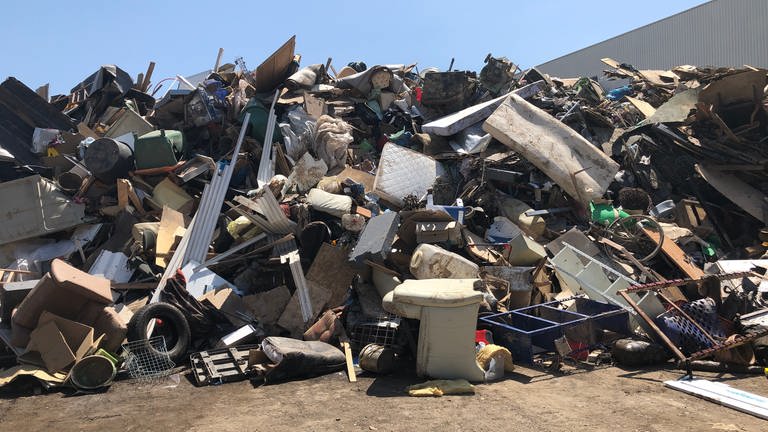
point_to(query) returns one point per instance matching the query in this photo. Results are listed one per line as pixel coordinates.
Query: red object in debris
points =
(482, 336)
(579, 350)
(286, 210)
(418, 94)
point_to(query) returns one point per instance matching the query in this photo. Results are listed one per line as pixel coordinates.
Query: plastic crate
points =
(532, 330)
(601, 317)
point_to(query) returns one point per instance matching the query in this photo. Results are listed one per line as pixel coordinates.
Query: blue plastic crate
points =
(532, 330)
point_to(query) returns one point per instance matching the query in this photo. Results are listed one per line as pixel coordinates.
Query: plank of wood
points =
(147, 76)
(660, 334)
(272, 72)
(170, 222)
(679, 257)
(87, 132)
(344, 340)
(141, 286)
(644, 107)
(122, 193)
(135, 200)
(364, 212)
(338, 281)
(42, 91)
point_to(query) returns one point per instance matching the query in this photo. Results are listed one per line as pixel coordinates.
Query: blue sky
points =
(62, 42)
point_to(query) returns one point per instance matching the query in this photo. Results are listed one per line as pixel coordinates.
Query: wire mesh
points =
(381, 331)
(148, 359)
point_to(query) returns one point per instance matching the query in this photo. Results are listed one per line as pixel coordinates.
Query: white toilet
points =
(447, 314)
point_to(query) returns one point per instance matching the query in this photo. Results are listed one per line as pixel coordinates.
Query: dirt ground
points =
(607, 399)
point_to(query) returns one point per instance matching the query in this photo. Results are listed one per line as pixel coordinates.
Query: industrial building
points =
(716, 33)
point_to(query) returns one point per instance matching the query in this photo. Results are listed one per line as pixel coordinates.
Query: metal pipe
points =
(653, 325)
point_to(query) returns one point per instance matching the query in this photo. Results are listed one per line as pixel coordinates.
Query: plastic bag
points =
(332, 138)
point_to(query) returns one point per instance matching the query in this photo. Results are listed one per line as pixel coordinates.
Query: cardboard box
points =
(59, 342)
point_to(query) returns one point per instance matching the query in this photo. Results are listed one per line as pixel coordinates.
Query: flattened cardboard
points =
(230, 303)
(60, 342)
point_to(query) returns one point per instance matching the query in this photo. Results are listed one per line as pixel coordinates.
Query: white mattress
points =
(402, 172)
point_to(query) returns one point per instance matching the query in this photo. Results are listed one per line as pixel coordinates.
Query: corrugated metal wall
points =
(718, 33)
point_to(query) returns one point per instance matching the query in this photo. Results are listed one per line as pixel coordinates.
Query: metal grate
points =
(381, 331)
(685, 334)
(147, 360)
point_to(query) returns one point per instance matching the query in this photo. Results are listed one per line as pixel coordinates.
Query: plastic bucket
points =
(93, 372)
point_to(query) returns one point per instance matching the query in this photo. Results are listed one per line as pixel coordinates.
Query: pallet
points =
(221, 365)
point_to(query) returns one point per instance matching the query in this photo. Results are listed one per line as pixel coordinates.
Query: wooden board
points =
(680, 258)
(362, 177)
(275, 68)
(122, 193)
(344, 341)
(170, 222)
(644, 107)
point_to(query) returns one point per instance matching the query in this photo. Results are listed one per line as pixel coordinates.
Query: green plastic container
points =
(604, 213)
(158, 148)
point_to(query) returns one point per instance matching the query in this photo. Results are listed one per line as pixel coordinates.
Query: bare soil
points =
(606, 399)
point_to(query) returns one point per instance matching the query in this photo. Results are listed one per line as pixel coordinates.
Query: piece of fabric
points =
(441, 387)
(490, 351)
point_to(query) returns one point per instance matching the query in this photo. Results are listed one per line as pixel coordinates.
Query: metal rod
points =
(676, 351)
(655, 286)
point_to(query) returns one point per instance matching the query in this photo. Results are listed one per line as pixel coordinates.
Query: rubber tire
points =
(171, 316)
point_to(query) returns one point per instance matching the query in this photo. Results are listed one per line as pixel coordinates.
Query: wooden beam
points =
(344, 340)
(218, 60)
(148, 76)
(677, 255)
(42, 91)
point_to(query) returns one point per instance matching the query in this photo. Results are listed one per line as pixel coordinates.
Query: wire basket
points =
(147, 359)
(381, 331)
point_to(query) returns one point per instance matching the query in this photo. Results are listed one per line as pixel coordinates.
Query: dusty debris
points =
(437, 221)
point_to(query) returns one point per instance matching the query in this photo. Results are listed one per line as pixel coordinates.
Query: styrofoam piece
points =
(723, 394)
(403, 172)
